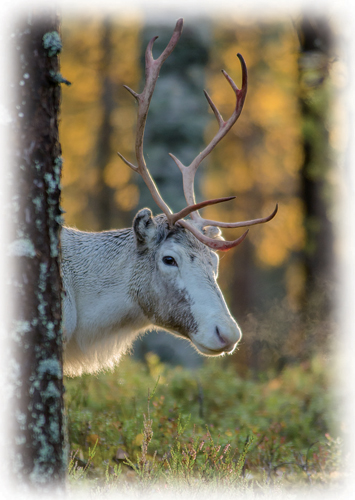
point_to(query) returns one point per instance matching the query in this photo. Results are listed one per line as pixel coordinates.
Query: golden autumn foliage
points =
(259, 161)
(82, 113)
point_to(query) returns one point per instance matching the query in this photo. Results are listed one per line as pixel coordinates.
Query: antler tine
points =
(221, 244)
(152, 69)
(188, 172)
(192, 208)
(253, 222)
(215, 244)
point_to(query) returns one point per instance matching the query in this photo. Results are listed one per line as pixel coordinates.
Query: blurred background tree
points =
(277, 152)
(315, 92)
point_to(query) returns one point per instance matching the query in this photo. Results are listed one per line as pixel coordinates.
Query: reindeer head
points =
(175, 284)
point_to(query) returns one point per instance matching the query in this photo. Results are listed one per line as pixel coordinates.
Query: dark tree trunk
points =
(102, 201)
(316, 48)
(37, 449)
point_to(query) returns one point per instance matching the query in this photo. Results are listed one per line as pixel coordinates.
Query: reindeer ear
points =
(144, 227)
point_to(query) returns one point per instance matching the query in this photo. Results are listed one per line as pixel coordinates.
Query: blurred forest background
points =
(280, 284)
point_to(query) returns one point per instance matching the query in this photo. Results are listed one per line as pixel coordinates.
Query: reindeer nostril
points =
(222, 340)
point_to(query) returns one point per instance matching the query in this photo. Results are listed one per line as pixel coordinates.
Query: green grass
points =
(151, 423)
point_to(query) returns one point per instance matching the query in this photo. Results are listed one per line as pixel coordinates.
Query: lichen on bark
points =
(35, 371)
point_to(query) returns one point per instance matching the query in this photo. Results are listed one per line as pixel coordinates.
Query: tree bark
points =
(36, 376)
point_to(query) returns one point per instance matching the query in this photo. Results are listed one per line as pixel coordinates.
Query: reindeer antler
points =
(152, 69)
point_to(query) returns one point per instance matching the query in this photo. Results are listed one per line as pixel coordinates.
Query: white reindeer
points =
(161, 272)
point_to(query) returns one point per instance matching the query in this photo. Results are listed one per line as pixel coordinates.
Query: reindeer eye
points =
(169, 261)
